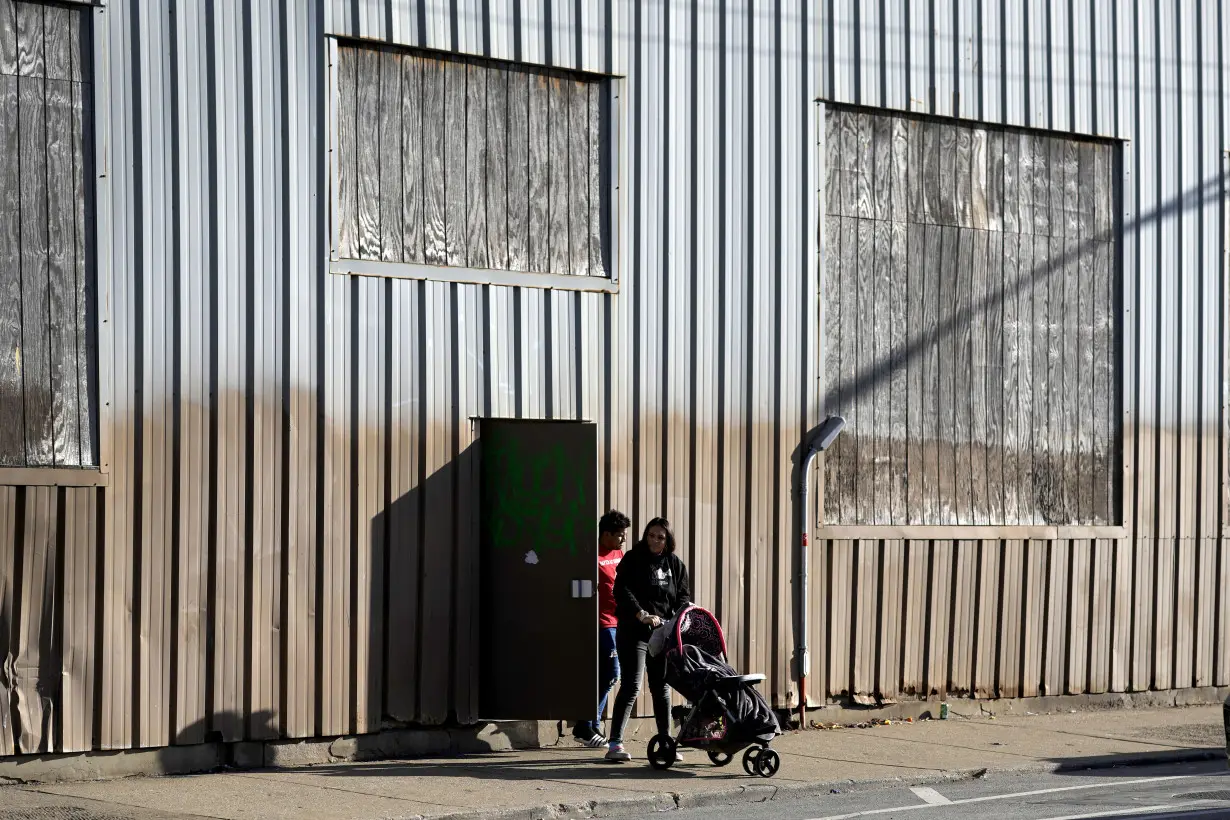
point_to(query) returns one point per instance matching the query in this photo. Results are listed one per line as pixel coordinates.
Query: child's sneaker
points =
(617, 754)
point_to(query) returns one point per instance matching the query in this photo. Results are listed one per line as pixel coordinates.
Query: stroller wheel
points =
(720, 758)
(767, 763)
(749, 759)
(661, 751)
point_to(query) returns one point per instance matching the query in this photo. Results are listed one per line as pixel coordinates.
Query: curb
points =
(764, 793)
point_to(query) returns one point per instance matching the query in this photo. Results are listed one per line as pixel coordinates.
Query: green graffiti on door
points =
(535, 499)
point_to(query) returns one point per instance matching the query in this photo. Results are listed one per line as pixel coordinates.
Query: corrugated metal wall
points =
(285, 541)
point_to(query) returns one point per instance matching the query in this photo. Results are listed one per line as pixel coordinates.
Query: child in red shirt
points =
(612, 533)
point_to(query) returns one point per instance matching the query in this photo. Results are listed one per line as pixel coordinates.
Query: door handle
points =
(583, 588)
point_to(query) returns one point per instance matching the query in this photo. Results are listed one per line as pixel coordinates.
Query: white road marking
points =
(929, 795)
(916, 807)
(1170, 807)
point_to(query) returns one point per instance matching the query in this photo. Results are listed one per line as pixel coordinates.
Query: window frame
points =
(96, 143)
(467, 275)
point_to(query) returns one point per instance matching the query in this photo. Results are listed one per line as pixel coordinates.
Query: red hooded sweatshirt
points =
(608, 562)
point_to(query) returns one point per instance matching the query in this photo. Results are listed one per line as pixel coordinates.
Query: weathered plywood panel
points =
(476, 193)
(413, 151)
(62, 279)
(578, 178)
(57, 41)
(31, 60)
(35, 296)
(434, 247)
(456, 195)
(347, 161)
(898, 300)
(8, 38)
(599, 197)
(496, 169)
(559, 93)
(83, 269)
(538, 174)
(12, 404)
(518, 170)
(392, 153)
(913, 328)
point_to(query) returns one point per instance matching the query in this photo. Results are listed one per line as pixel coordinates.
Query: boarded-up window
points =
(470, 163)
(970, 325)
(47, 395)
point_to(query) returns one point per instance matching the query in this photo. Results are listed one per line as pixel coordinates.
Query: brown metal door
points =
(539, 606)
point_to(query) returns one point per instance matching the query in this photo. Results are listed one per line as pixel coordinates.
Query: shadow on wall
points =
(424, 604)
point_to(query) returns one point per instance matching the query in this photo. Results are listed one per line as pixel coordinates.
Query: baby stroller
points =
(725, 713)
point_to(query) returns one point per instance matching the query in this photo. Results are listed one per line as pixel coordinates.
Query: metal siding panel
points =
(764, 328)
(840, 620)
(1169, 269)
(870, 60)
(920, 65)
(33, 664)
(471, 379)
(1058, 600)
(263, 707)
(407, 421)
(995, 72)
(964, 601)
(78, 654)
(891, 619)
(306, 53)
(968, 64)
(157, 504)
(1144, 598)
(706, 230)
(940, 623)
(913, 672)
(1079, 593)
(436, 641)
(893, 67)
(1100, 628)
(9, 589)
(232, 345)
(1084, 52)
(1034, 617)
(371, 430)
(1122, 612)
(946, 69)
(1060, 68)
(194, 311)
(865, 628)
(988, 631)
(1190, 282)
(1011, 585)
(1037, 90)
(405, 15)
(842, 35)
(333, 699)
(116, 359)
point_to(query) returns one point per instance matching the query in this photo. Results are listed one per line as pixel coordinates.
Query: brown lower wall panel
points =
(895, 619)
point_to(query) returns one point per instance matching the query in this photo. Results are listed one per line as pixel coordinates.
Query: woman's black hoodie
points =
(657, 584)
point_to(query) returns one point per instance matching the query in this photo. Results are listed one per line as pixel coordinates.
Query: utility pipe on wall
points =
(830, 428)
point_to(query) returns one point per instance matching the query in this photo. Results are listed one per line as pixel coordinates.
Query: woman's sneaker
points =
(617, 754)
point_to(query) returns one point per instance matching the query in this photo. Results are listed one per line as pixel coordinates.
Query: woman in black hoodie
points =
(650, 587)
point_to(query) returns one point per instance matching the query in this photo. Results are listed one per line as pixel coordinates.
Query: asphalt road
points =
(1193, 790)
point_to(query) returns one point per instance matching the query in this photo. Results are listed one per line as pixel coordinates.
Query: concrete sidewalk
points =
(571, 781)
